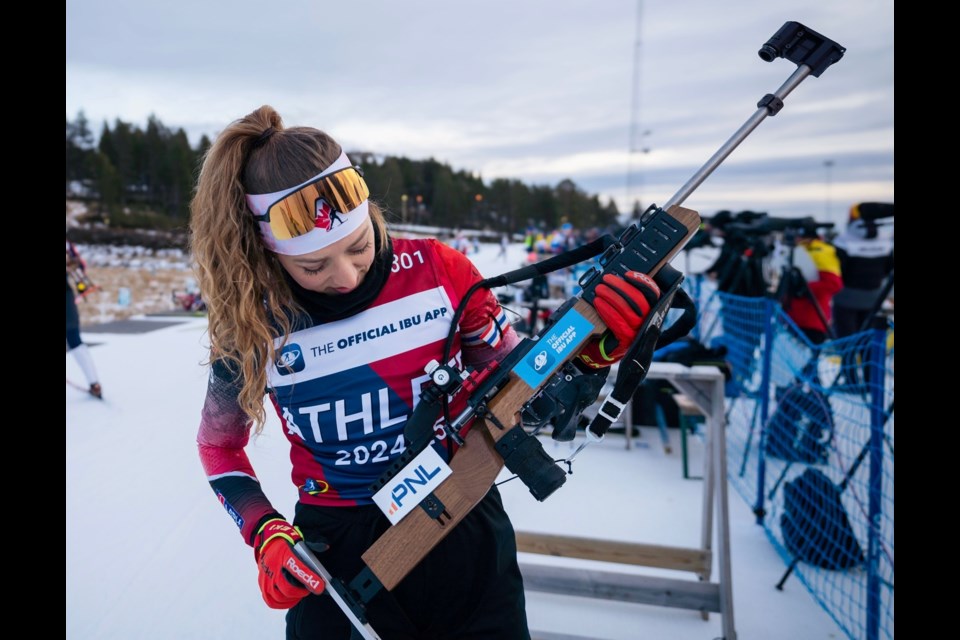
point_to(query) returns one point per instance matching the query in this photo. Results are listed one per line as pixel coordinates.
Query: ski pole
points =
(340, 594)
(811, 52)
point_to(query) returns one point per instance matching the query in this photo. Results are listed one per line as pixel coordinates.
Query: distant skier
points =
(75, 345)
(504, 242)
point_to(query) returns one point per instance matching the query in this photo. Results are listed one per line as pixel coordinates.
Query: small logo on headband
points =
(327, 216)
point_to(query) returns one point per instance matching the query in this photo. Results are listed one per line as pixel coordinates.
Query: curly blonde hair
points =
(248, 299)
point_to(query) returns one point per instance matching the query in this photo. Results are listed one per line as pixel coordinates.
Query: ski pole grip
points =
(803, 46)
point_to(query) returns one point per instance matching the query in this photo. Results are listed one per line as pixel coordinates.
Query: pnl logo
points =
(540, 360)
(290, 360)
(408, 488)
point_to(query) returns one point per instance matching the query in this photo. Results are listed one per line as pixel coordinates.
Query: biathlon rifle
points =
(425, 498)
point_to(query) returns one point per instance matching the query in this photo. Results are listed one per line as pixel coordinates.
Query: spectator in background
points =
(714, 228)
(866, 259)
(504, 243)
(77, 268)
(738, 268)
(460, 243)
(529, 239)
(815, 281)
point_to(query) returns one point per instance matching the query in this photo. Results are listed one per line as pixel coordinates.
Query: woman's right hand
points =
(284, 578)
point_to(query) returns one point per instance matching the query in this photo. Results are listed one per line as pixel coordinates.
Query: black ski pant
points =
(468, 587)
(73, 321)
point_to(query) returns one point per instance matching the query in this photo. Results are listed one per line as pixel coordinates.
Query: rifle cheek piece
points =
(524, 456)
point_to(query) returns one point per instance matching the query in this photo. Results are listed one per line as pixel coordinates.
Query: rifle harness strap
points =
(611, 409)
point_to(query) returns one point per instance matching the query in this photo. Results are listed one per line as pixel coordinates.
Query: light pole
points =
(828, 164)
(644, 149)
(403, 207)
(635, 108)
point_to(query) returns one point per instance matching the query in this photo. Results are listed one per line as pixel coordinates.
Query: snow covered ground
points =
(150, 554)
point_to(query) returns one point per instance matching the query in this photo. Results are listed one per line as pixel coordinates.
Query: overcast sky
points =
(537, 90)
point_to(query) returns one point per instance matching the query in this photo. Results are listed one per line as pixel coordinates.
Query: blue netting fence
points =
(810, 448)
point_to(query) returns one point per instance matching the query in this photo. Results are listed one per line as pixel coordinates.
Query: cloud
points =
(538, 91)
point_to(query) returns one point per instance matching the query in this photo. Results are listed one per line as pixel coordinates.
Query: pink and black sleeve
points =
(224, 432)
(485, 331)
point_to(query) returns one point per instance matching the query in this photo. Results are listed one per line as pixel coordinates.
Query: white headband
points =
(322, 235)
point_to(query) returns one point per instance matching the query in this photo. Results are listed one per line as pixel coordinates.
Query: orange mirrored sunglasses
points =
(316, 204)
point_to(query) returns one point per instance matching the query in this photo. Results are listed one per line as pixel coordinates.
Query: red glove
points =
(284, 578)
(623, 305)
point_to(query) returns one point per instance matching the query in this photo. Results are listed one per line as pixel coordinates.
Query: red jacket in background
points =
(801, 309)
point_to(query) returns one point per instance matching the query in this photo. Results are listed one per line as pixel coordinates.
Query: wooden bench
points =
(704, 594)
(625, 587)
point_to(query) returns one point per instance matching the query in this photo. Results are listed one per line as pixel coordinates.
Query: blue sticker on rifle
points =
(564, 338)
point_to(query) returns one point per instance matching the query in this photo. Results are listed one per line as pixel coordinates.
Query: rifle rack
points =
(704, 385)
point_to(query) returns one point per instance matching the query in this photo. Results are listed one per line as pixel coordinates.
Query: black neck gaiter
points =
(327, 308)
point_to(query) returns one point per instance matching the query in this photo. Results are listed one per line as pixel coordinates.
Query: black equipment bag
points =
(815, 525)
(801, 427)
